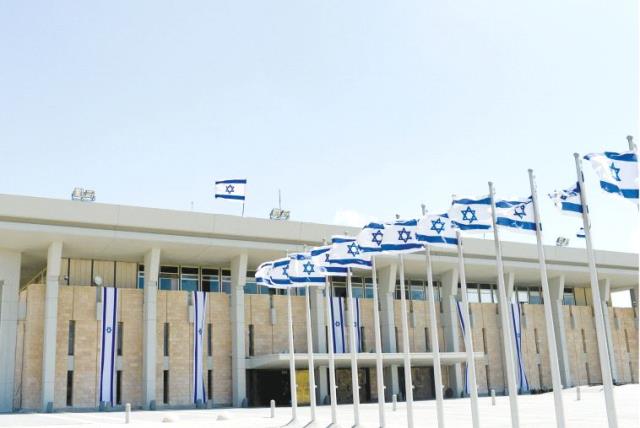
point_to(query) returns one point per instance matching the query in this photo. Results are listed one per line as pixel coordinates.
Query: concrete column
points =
(450, 324)
(238, 364)
(149, 338)
(54, 256)
(9, 302)
(386, 289)
(319, 333)
(556, 289)
(605, 296)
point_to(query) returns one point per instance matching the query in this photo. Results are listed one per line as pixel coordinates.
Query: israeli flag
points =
(436, 229)
(303, 270)
(370, 238)
(523, 383)
(400, 237)
(339, 324)
(263, 272)
(320, 257)
(516, 214)
(618, 172)
(231, 189)
(200, 312)
(346, 253)
(472, 214)
(568, 200)
(580, 233)
(462, 328)
(279, 274)
(108, 344)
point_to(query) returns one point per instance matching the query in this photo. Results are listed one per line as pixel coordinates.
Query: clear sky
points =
(357, 110)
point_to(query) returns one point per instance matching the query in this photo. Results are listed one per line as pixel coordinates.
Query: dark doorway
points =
(266, 385)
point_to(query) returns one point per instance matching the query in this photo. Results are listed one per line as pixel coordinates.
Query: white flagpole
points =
(504, 320)
(468, 341)
(435, 347)
(332, 358)
(292, 364)
(355, 386)
(312, 379)
(603, 353)
(376, 328)
(546, 300)
(408, 383)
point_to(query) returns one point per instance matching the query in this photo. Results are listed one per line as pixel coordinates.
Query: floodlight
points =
(76, 195)
(80, 194)
(279, 214)
(562, 241)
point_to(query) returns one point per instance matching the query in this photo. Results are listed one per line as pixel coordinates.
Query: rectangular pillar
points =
(238, 365)
(9, 289)
(556, 289)
(54, 257)
(386, 289)
(149, 339)
(450, 324)
(605, 297)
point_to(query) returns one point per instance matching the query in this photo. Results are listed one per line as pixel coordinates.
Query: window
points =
(226, 281)
(417, 290)
(486, 294)
(210, 384)
(534, 296)
(427, 341)
(165, 340)
(586, 367)
(119, 387)
(472, 293)
(168, 278)
(209, 339)
(535, 337)
(140, 276)
(568, 298)
(356, 287)
(165, 386)
(368, 288)
(626, 340)
(70, 388)
(584, 342)
(362, 340)
(189, 278)
(119, 338)
(210, 280)
(339, 288)
(72, 337)
(484, 341)
(251, 341)
(486, 372)
(522, 294)
(250, 287)
(540, 376)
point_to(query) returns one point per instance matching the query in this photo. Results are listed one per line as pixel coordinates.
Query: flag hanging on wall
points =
(462, 328)
(516, 214)
(108, 344)
(523, 383)
(568, 200)
(231, 189)
(339, 324)
(471, 214)
(199, 312)
(618, 173)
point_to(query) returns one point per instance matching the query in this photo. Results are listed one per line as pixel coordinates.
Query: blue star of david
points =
(337, 323)
(615, 171)
(326, 257)
(230, 189)
(437, 225)
(199, 332)
(376, 237)
(520, 213)
(308, 268)
(404, 235)
(469, 215)
(353, 249)
(285, 271)
(108, 330)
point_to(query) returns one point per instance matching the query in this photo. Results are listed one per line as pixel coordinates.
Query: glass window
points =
(356, 287)
(140, 276)
(250, 287)
(189, 279)
(368, 288)
(568, 298)
(486, 296)
(472, 293)
(226, 281)
(417, 290)
(522, 295)
(534, 296)
(339, 288)
(168, 279)
(210, 280)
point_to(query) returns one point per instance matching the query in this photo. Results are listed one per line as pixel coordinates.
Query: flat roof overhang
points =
(418, 359)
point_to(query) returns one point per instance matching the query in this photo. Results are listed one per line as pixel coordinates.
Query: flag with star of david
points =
(108, 342)
(199, 320)
(263, 274)
(304, 271)
(400, 237)
(279, 274)
(436, 229)
(471, 214)
(568, 200)
(320, 256)
(516, 214)
(231, 189)
(618, 173)
(370, 238)
(346, 253)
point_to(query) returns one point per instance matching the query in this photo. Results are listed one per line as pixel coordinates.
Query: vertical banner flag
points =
(462, 328)
(472, 214)
(400, 237)
(200, 310)
(568, 200)
(618, 173)
(108, 341)
(436, 229)
(516, 214)
(231, 189)
(339, 324)
(523, 383)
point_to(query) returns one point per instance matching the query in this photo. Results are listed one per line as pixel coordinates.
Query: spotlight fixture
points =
(561, 241)
(80, 194)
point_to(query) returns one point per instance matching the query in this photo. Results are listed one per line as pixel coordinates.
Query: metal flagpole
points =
(468, 341)
(605, 367)
(408, 383)
(504, 319)
(355, 386)
(546, 300)
(378, 339)
(312, 379)
(435, 347)
(292, 365)
(332, 358)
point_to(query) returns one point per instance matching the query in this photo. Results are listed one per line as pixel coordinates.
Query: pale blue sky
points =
(357, 110)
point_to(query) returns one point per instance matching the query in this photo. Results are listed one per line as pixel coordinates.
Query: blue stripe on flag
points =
(468, 201)
(517, 224)
(237, 181)
(612, 188)
(568, 206)
(463, 226)
(236, 197)
(628, 157)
